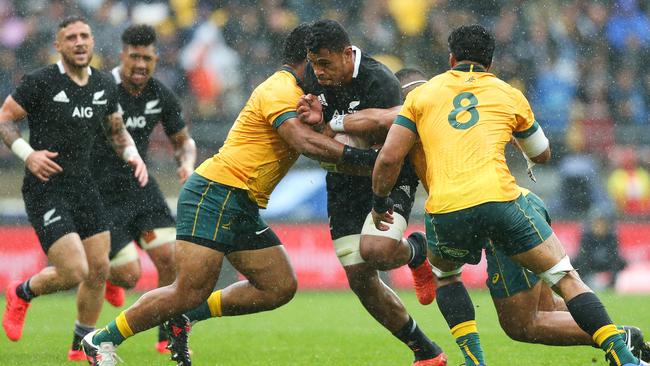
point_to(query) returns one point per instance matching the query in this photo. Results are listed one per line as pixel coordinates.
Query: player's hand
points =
(309, 110)
(382, 219)
(139, 169)
(184, 171)
(40, 163)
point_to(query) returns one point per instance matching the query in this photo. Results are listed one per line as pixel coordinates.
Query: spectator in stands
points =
(599, 248)
(580, 184)
(629, 184)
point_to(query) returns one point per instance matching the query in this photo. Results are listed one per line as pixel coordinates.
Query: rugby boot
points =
(114, 294)
(76, 355)
(161, 346)
(13, 318)
(440, 360)
(178, 330)
(99, 355)
(424, 281)
(636, 344)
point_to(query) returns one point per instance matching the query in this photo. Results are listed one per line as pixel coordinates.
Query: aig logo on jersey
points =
(82, 112)
(135, 122)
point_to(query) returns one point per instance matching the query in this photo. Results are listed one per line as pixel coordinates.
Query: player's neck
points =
(78, 74)
(132, 89)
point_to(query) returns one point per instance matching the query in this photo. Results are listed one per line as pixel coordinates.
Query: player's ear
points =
(452, 60)
(347, 53)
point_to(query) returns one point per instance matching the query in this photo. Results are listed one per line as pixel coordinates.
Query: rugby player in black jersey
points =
(138, 213)
(68, 106)
(341, 80)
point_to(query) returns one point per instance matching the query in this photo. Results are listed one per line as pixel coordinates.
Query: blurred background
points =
(580, 63)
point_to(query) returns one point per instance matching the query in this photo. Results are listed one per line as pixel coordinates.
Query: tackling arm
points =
(184, 153)
(373, 123)
(303, 139)
(124, 146)
(398, 143)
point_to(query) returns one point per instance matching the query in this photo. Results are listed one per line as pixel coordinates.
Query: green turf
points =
(316, 328)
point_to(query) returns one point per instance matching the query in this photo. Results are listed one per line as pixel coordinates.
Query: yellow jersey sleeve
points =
(279, 103)
(525, 119)
(407, 115)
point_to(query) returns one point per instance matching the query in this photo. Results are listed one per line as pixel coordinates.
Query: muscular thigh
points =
(264, 267)
(221, 217)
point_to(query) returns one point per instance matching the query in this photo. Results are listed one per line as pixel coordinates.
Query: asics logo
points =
(48, 219)
(61, 97)
(150, 107)
(97, 98)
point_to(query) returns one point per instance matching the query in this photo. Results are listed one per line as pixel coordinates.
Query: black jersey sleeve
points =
(172, 118)
(113, 99)
(28, 93)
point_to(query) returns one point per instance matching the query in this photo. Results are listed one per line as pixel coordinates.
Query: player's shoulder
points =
(280, 82)
(45, 74)
(159, 88)
(101, 77)
(375, 71)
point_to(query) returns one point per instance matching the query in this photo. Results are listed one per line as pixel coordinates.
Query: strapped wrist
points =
(21, 148)
(360, 157)
(381, 204)
(336, 123)
(129, 152)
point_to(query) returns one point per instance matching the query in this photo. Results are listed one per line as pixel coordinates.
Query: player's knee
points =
(74, 276)
(286, 292)
(380, 252)
(516, 332)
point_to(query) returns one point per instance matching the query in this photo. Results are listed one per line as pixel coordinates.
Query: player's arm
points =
(371, 123)
(124, 146)
(184, 153)
(529, 134)
(40, 162)
(320, 147)
(398, 144)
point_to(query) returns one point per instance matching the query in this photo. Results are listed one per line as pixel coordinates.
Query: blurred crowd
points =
(579, 62)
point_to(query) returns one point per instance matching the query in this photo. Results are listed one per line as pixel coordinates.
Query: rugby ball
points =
(354, 141)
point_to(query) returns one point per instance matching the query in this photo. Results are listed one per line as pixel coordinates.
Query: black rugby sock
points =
(24, 292)
(80, 331)
(162, 335)
(423, 348)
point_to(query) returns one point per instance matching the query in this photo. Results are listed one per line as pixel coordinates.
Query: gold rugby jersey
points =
(464, 118)
(254, 157)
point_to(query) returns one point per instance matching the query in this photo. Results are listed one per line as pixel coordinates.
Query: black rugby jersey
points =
(66, 118)
(373, 85)
(141, 113)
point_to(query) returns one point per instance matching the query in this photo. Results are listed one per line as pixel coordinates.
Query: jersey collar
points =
(469, 68)
(357, 61)
(116, 75)
(62, 69)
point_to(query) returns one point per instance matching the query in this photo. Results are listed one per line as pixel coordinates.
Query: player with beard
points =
(138, 213)
(68, 105)
(341, 80)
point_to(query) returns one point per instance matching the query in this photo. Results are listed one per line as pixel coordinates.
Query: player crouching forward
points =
(218, 216)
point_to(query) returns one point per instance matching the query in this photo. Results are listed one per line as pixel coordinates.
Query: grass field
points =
(316, 328)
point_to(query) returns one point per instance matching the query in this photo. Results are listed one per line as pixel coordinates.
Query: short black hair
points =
(139, 35)
(408, 72)
(294, 51)
(72, 19)
(472, 43)
(327, 34)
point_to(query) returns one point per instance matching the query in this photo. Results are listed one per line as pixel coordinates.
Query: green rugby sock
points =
(468, 341)
(109, 333)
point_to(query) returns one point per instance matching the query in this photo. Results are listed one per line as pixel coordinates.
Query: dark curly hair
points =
(294, 51)
(139, 35)
(327, 34)
(472, 43)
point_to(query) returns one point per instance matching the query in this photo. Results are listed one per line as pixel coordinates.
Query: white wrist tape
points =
(337, 123)
(129, 152)
(534, 144)
(21, 148)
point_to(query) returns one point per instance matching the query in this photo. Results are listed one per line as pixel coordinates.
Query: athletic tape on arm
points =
(534, 144)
